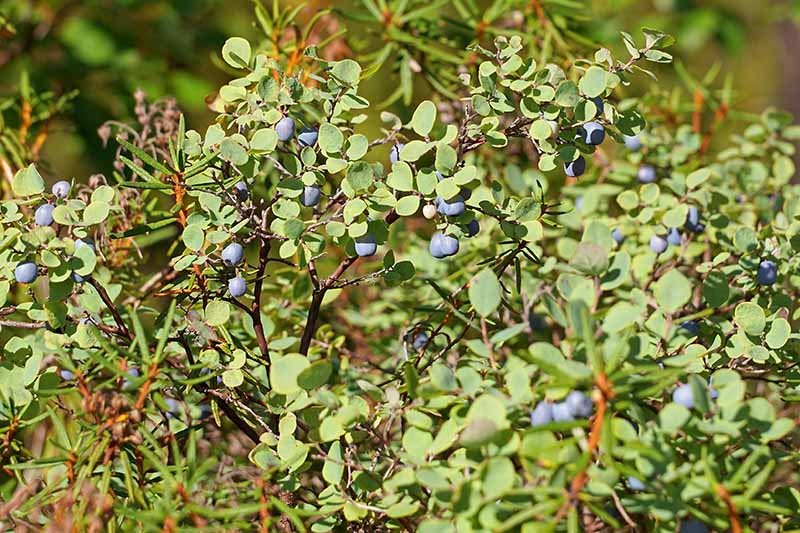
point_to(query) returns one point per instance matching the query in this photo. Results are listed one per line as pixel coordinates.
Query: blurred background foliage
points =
(106, 49)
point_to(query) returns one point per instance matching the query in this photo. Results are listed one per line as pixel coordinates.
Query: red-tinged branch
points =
(324, 285)
(601, 405)
(255, 310)
(123, 329)
(733, 515)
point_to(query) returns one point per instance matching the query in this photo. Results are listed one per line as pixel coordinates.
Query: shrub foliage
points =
(538, 300)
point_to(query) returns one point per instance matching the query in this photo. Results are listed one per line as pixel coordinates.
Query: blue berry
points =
(579, 404)
(237, 286)
(420, 340)
(658, 244)
(617, 236)
(453, 208)
(473, 228)
(232, 254)
(242, 191)
(85, 242)
(635, 484)
(394, 154)
(598, 102)
(366, 245)
(562, 413)
(646, 174)
(693, 526)
(575, 168)
(310, 196)
(542, 414)
(44, 215)
(767, 273)
(683, 396)
(442, 246)
(633, 142)
(691, 327)
(674, 237)
(285, 129)
(592, 133)
(26, 272)
(307, 137)
(61, 189)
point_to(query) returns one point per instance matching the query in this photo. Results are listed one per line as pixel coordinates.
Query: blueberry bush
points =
(539, 299)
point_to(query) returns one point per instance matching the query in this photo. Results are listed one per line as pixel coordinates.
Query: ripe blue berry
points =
(232, 254)
(394, 154)
(366, 245)
(767, 273)
(237, 286)
(674, 237)
(693, 526)
(26, 272)
(562, 413)
(442, 246)
(633, 142)
(285, 129)
(473, 228)
(44, 215)
(242, 192)
(310, 196)
(646, 174)
(77, 278)
(85, 242)
(691, 327)
(658, 244)
(693, 223)
(592, 133)
(635, 484)
(598, 102)
(449, 245)
(307, 137)
(617, 236)
(453, 208)
(579, 404)
(420, 340)
(61, 189)
(542, 414)
(683, 396)
(575, 168)
(536, 322)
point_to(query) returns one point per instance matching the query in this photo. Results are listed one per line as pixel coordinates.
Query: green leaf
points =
(424, 117)
(593, 82)
(236, 52)
(415, 149)
(778, 333)
(285, 371)
(217, 312)
(95, 213)
(672, 291)
(360, 176)
(346, 71)
(27, 182)
(333, 468)
(145, 157)
(193, 237)
(484, 292)
(330, 138)
(750, 317)
(498, 477)
(407, 205)
(673, 417)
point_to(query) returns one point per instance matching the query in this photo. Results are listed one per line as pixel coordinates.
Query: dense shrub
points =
(535, 302)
